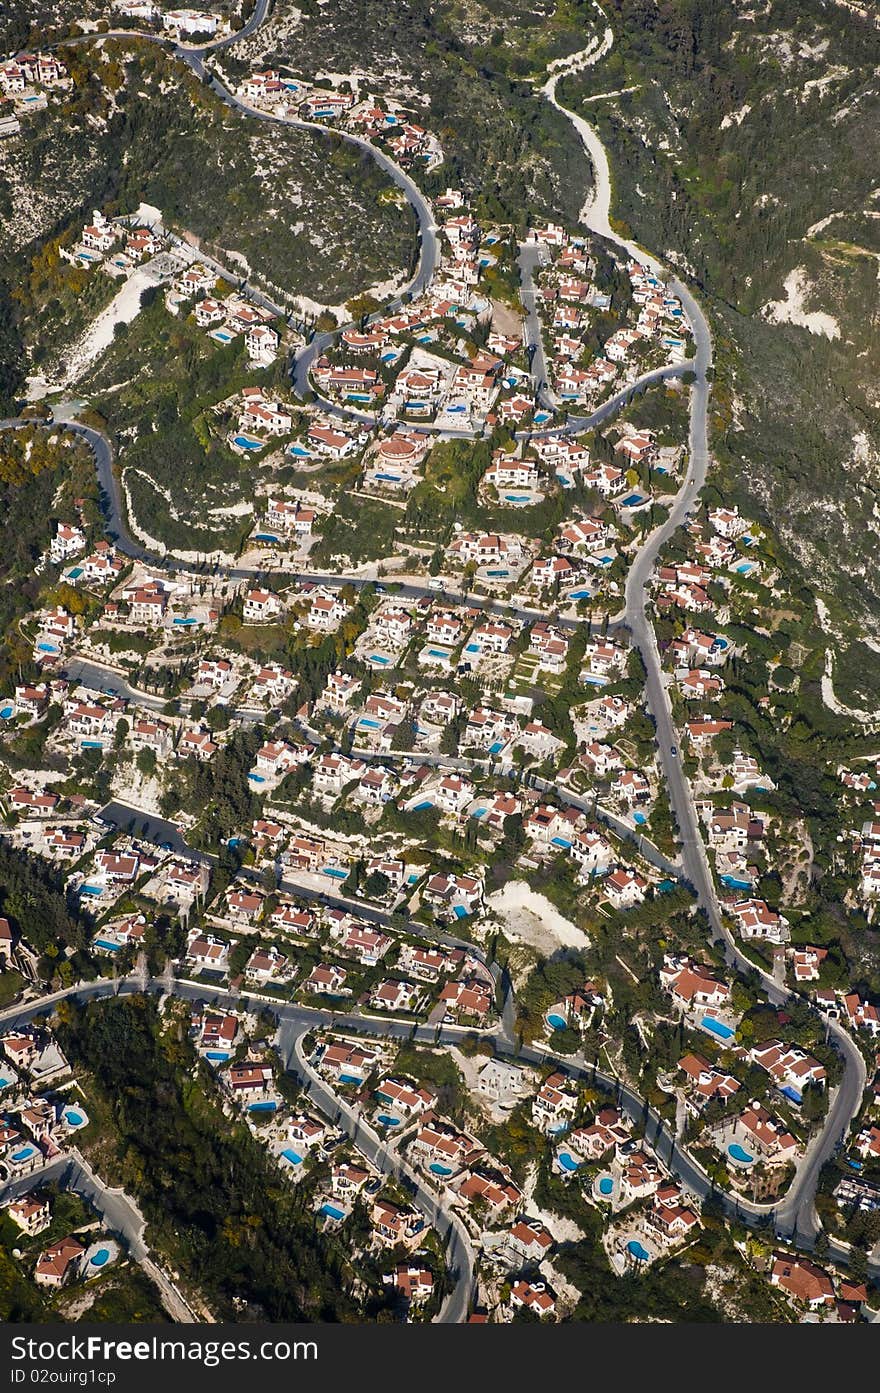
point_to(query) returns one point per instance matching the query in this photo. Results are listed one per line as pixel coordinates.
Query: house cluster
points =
(117, 245)
(436, 361)
(26, 83)
(36, 1121)
(866, 843)
(384, 123)
(226, 315)
(569, 302)
(185, 24)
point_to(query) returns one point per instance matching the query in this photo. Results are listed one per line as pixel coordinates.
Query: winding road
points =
(794, 1217)
(295, 1021)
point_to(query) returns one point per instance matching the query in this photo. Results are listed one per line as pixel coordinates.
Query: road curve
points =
(796, 1214)
(448, 1223)
(119, 1212)
(797, 1209)
(295, 1020)
(194, 56)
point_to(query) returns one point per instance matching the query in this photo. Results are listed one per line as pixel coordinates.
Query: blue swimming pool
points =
(266, 537)
(496, 747)
(388, 478)
(388, 1121)
(185, 622)
(745, 568)
(24, 1154)
(256, 778)
(93, 744)
(561, 842)
(217, 1056)
(640, 819)
(350, 1078)
(368, 723)
(292, 1157)
(740, 1154)
(48, 648)
(75, 573)
(556, 1022)
(107, 945)
(792, 1093)
(6, 712)
(438, 653)
(636, 1250)
(73, 1118)
(100, 1258)
(567, 1162)
(420, 807)
(541, 416)
(330, 1211)
(221, 336)
(606, 1185)
(733, 884)
(517, 498)
(718, 1028)
(267, 1106)
(300, 451)
(436, 1169)
(91, 890)
(379, 658)
(460, 912)
(580, 594)
(479, 812)
(633, 500)
(247, 442)
(335, 872)
(497, 573)
(472, 648)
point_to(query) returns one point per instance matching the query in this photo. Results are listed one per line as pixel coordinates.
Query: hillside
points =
(469, 68)
(748, 154)
(305, 213)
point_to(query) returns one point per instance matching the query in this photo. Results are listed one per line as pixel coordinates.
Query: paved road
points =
(250, 26)
(121, 1214)
(429, 249)
(797, 1213)
(101, 677)
(195, 56)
